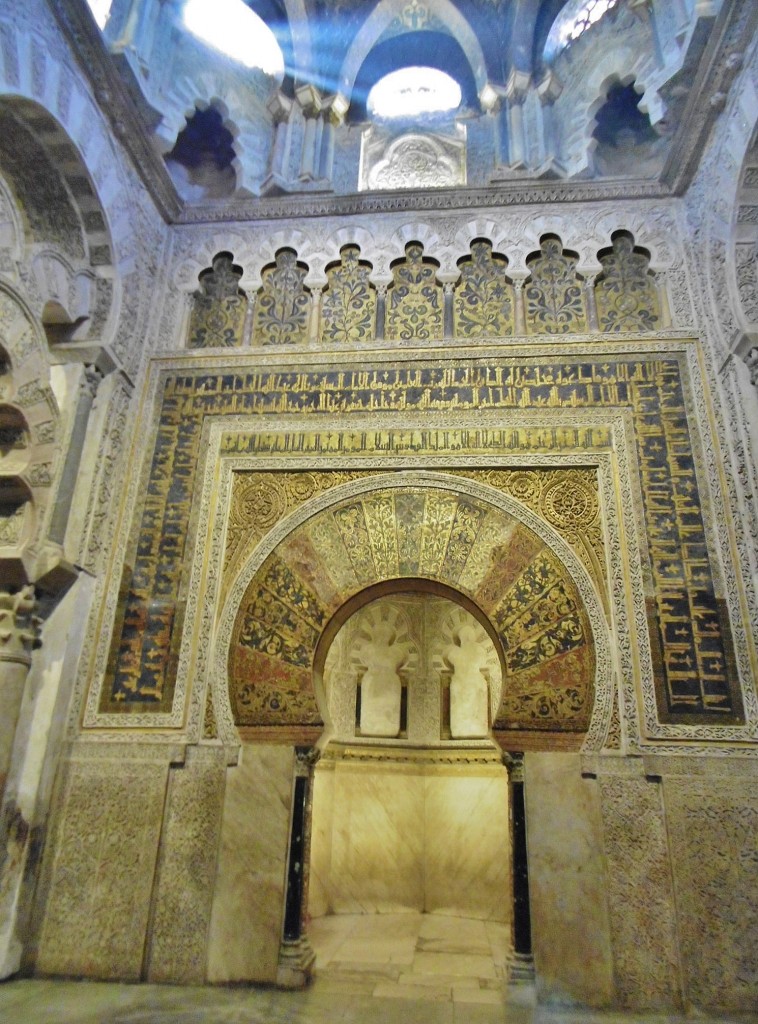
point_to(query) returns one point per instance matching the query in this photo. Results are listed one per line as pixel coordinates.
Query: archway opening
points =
(410, 866)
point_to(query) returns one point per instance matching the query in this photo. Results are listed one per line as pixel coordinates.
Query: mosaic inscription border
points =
(209, 401)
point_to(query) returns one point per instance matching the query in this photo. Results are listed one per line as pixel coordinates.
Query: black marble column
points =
(296, 956)
(522, 968)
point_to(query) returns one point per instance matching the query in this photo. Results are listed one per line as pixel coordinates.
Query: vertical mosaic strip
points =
(348, 305)
(554, 295)
(483, 305)
(625, 292)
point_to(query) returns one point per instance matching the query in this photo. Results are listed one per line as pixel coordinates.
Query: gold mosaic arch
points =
(500, 561)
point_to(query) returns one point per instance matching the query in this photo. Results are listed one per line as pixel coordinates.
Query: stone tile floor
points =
(391, 969)
(429, 957)
(324, 1002)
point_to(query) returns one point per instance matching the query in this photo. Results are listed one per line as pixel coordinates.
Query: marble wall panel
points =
(248, 899)
(571, 936)
(640, 890)
(101, 875)
(402, 837)
(377, 844)
(320, 864)
(467, 842)
(713, 827)
(187, 869)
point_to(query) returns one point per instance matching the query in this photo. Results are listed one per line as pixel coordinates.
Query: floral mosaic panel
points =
(414, 299)
(625, 293)
(282, 304)
(218, 307)
(348, 305)
(554, 295)
(483, 305)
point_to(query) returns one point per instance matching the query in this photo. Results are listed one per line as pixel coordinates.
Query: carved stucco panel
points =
(640, 892)
(713, 829)
(102, 869)
(187, 868)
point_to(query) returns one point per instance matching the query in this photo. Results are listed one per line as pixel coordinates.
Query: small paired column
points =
(296, 957)
(515, 95)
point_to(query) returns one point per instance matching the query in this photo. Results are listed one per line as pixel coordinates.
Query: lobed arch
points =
(288, 542)
(75, 192)
(619, 63)
(27, 405)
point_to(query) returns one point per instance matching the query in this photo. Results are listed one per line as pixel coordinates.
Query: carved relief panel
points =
(282, 304)
(219, 306)
(414, 299)
(554, 295)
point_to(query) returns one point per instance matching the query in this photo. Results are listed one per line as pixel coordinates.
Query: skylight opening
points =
(573, 21)
(231, 27)
(412, 91)
(101, 10)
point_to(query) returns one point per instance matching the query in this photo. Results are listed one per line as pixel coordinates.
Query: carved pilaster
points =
(515, 94)
(447, 289)
(19, 635)
(590, 304)
(314, 314)
(751, 361)
(381, 310)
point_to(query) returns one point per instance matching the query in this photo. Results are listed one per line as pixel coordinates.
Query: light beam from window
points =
(412, 91)
(231, 27)
(101, 10)
(572, 22)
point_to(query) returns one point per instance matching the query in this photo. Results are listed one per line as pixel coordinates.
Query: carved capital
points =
(19, 626)
(90, 380)
(306, 759)
(751, 361)
(279, 107)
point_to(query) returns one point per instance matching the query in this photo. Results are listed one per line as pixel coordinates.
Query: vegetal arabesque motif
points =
(554, 297)
(348, 308)
(625, 294)
(484, 296)
(281, 308)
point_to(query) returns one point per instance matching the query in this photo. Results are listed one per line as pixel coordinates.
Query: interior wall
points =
(248, 897)
(396, 837)
(567, 882)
